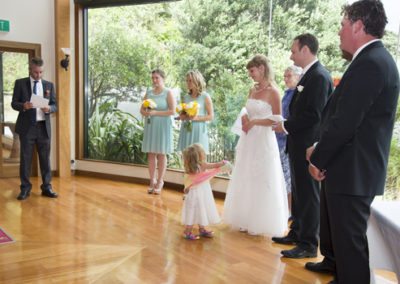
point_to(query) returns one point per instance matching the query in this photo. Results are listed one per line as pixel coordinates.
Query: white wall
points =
(33, 22)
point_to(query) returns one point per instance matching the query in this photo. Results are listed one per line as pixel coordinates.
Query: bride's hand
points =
(278, 127)
(245, 119)
(247, 126)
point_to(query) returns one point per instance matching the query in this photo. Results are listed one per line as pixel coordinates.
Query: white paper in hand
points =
(39, 102)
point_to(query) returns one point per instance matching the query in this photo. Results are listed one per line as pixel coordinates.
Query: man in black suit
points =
(33, 127)
(302, 127)
(352, 153)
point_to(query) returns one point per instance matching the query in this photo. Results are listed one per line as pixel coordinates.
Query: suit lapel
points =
(303, 79)
(44, 86)
(337, 91)
(291, 104)
(369, 47)
(28, 88)
(366, 49)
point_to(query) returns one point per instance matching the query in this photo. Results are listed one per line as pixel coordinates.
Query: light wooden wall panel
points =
(63, 125)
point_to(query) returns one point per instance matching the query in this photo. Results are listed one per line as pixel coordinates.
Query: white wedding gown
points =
(256, 198)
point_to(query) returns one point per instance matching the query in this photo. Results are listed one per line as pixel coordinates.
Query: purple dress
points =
(281, 137)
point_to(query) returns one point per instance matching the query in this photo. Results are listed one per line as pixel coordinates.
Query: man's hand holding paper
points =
(39, 102)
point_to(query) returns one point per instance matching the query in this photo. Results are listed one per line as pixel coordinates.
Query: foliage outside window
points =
(217, 37)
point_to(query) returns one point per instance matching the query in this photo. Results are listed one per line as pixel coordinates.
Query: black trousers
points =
(305, 203)
(343, 235)
(36, 136)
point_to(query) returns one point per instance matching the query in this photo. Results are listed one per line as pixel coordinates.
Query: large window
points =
(217, 37)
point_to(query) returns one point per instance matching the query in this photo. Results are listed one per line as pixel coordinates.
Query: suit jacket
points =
(358, 124)
(22, 93)
(305, 109)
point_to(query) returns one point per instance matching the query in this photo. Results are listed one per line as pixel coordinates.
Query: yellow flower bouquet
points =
(190, 109)
(148, 105)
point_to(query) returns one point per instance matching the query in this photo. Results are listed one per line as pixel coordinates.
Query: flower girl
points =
(199, 205)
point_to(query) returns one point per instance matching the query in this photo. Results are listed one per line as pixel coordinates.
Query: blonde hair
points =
(197, 80)
(262, 60)
(193, 157)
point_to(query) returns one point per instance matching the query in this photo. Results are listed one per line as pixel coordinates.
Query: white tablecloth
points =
(384, 236)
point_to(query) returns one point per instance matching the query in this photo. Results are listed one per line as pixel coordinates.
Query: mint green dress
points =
(157, 133)
(199, 133)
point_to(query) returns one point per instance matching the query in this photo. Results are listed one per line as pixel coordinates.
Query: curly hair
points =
(371, 13)
(193, 157)
(296, 70)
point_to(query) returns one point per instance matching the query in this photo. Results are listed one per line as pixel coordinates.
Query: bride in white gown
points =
(256, 199)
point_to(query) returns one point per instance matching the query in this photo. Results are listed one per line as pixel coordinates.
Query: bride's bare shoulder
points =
(273, 89)
(252, 91)
(273, 92)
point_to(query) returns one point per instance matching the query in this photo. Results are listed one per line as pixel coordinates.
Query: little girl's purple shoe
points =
(190, 236)
(206, 234)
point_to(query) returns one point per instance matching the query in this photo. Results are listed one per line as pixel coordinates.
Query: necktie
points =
(35, 87)
(33, 115)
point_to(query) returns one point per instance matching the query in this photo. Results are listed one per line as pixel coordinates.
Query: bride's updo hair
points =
(261, 60)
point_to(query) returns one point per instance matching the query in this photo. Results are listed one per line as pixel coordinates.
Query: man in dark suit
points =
(33, 127)
(352, 153)
(302, 127)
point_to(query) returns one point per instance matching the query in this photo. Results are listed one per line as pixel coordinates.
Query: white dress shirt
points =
(39, 92)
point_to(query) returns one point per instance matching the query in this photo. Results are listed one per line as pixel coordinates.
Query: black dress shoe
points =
(49, 193)
(298, 252)
(321, 267)
(284, 240)
(24, 194)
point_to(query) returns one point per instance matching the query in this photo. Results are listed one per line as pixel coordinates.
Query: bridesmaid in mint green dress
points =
(197, 133)
(157, 136)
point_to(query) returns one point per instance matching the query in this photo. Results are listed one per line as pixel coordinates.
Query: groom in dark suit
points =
(33, 127)
(302, 127)
(352, 153)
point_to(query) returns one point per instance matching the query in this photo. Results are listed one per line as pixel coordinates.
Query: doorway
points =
(14, 64)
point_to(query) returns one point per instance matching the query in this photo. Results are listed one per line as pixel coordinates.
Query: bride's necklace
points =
(261, 88)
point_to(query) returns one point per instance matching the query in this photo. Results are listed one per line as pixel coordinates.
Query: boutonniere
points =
(336, 81)
(47, 94)
(300, 88)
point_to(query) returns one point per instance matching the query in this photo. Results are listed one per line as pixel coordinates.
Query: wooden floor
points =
(102, 231)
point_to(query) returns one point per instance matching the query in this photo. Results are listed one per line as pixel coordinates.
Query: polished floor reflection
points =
(102, 231)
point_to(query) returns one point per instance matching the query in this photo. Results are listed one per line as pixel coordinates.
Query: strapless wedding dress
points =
(256, 198)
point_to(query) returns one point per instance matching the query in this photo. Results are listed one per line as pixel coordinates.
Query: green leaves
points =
(217, 37)
(115, 136)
